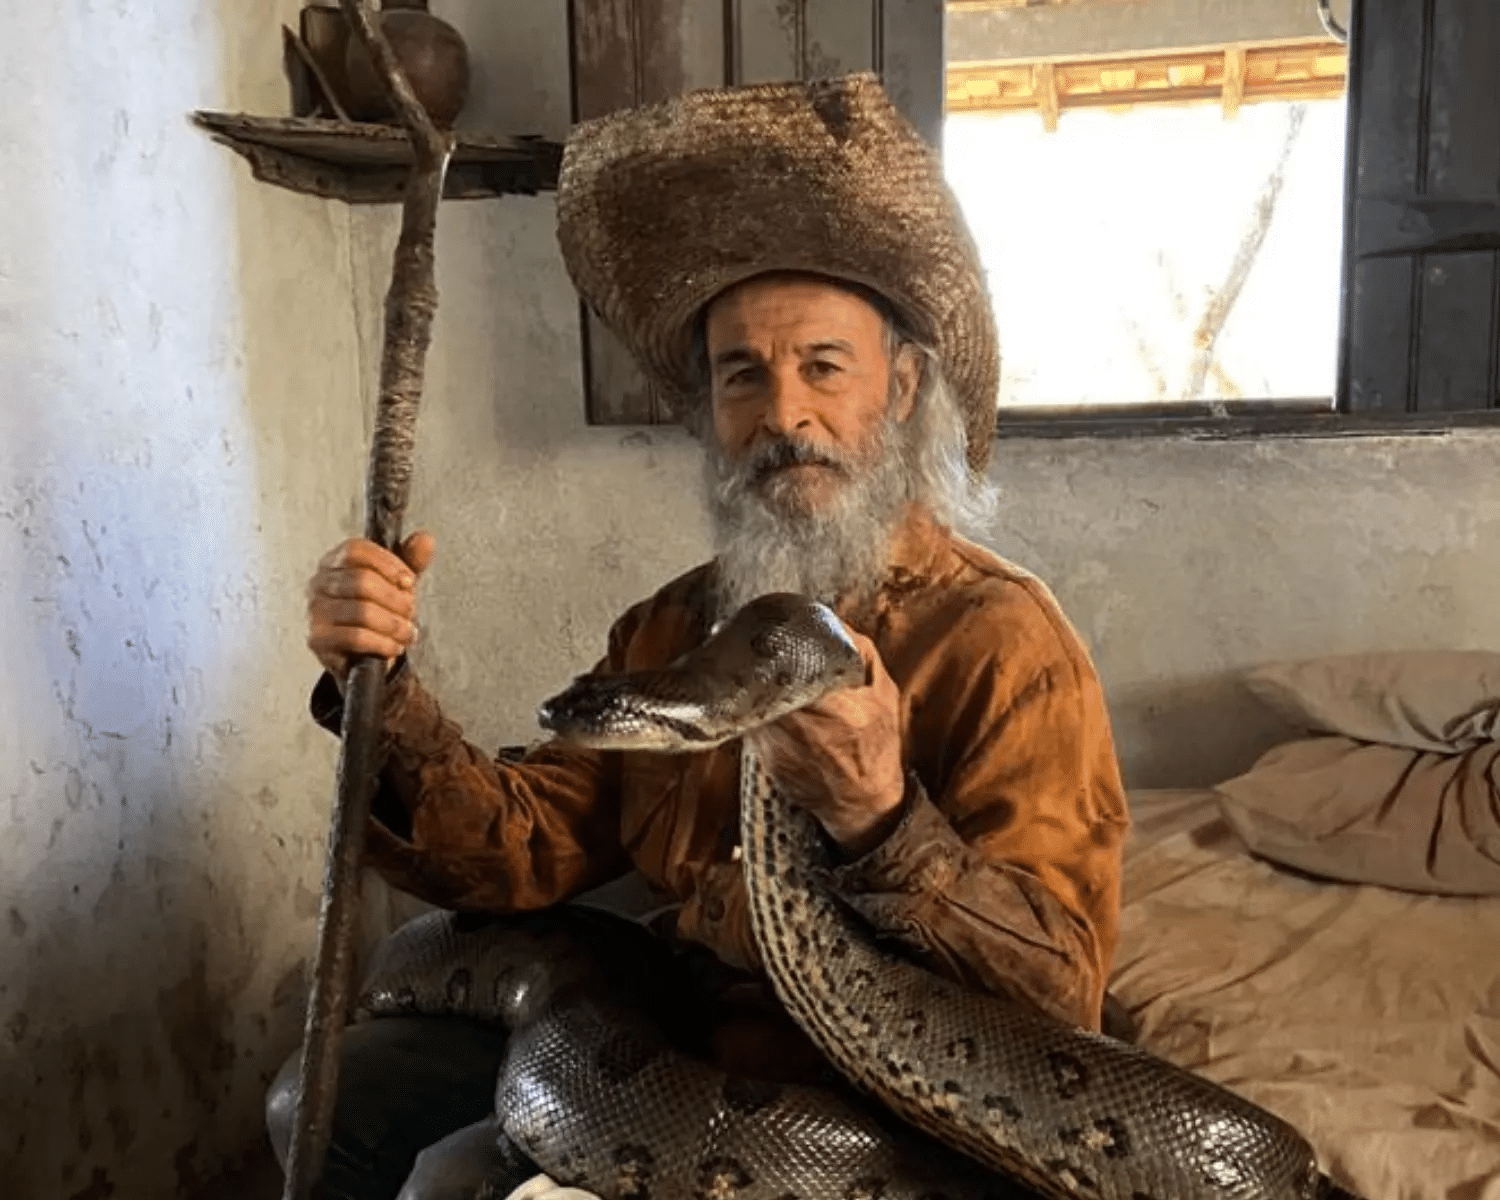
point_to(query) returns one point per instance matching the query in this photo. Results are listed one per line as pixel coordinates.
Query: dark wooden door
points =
(629, 52)
(1422, 243)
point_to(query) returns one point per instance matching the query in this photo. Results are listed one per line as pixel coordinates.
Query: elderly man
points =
(788, 266)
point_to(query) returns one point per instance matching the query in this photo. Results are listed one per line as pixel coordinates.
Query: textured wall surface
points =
(1182, 563)
(183, 352)
(181, 435)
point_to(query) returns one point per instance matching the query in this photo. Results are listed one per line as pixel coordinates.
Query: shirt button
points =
(713, 908)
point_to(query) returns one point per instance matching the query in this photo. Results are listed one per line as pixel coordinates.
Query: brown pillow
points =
(1363, 813)
(1443, 700)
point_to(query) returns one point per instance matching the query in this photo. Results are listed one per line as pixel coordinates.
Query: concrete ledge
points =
(980, 32)
(1233, 422)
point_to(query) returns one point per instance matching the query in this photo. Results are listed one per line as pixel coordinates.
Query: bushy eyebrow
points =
(735, 356)
(738, 355)
(831, 344)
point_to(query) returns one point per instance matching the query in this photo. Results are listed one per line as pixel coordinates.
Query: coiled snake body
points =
(595, 1094)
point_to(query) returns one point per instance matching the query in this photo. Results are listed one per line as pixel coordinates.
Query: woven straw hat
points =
(662, 208)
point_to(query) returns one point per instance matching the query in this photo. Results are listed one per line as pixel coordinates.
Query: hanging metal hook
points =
(1330, 23)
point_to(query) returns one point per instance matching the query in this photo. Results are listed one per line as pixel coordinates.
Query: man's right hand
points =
(362, 600)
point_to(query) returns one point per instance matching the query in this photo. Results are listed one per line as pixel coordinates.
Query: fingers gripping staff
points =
(1068, 1112)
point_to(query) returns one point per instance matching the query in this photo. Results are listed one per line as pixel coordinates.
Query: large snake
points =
(597, 1095)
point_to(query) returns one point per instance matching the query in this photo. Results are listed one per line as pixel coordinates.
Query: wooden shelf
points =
(368, 164)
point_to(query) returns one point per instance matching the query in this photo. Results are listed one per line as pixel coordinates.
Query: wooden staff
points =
(409, 308)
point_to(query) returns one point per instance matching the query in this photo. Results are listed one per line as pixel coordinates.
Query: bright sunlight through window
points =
(1160, 253)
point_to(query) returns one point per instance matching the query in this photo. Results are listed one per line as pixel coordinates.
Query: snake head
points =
(594, 711)
(794, 633)
(775, 655)
(636, 710)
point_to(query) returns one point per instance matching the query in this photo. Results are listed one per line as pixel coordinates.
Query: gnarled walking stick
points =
(409, 308)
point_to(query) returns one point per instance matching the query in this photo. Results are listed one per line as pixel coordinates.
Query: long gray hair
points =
(933, 444)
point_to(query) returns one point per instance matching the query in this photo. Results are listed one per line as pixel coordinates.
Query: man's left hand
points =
(840, 757)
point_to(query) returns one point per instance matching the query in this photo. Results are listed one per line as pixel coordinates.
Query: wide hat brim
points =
(662, 208)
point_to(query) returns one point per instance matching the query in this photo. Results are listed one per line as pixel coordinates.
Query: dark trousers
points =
(406, 1083)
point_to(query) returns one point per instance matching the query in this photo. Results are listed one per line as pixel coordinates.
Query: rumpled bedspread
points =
(1366, 1017)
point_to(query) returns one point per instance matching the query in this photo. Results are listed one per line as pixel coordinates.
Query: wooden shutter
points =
(629, 52)
(1422, 244)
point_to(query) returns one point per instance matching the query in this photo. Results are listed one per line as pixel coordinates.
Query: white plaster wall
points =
(1185, 562)
(180, 438)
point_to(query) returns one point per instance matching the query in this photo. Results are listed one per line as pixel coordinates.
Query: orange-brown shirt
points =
(1003, 873)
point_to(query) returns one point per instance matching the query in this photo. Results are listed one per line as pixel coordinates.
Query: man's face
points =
(796, 358)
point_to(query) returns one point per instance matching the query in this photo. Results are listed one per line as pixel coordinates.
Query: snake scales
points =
(995, 1098)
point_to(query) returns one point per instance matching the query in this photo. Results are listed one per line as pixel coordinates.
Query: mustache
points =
(788, 451)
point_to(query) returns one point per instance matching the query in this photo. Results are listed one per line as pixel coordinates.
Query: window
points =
(1159, 253)
(1402, 238)
(1158, 201)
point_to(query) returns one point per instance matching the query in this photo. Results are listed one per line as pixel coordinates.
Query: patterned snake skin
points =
(597, 1095)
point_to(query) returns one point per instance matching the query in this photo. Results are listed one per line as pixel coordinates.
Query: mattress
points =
(1368, 1018)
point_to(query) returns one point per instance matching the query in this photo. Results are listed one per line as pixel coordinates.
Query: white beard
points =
(768, 539)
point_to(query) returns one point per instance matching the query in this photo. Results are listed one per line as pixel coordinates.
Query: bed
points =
(1367, 1017)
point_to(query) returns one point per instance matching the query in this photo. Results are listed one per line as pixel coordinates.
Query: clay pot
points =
(431, 52)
